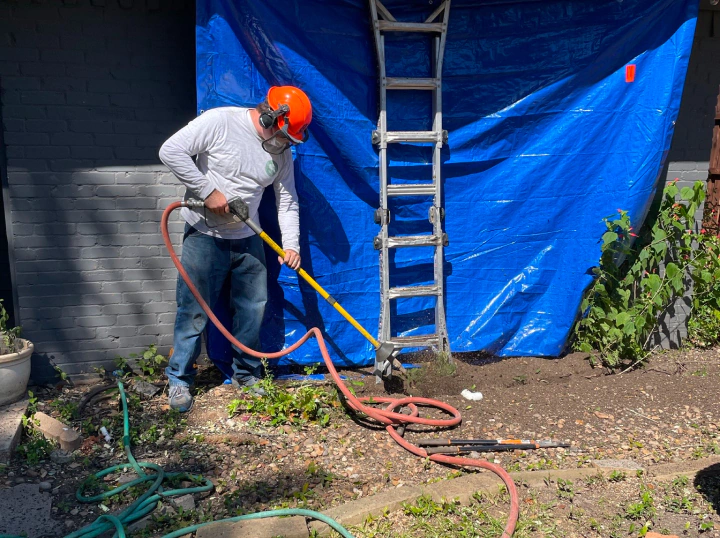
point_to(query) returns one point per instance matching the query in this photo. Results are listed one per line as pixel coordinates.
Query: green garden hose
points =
(148, 501)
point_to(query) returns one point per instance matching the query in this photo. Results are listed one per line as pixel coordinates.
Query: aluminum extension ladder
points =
(384, 22)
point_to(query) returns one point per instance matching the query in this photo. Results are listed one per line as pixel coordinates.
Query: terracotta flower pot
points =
(15, 372)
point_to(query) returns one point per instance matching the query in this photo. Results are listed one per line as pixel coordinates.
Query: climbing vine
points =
(638, 278)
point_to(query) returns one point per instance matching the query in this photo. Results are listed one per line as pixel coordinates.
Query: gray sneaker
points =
(251, 383)
(180, 398)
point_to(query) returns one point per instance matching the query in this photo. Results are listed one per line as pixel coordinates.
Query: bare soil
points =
(666, 411)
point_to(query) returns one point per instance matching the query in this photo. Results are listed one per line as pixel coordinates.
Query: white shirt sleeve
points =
(197, 137)
(288, 207)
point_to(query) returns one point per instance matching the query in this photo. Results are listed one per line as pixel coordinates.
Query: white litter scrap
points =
(472, 396)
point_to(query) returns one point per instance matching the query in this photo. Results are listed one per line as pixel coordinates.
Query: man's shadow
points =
(707, 482)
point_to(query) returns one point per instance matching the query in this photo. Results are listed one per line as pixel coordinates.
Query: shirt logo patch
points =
(271, 168)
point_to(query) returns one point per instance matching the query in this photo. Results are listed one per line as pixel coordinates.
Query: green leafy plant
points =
(644, 509)
(295, 405)
(68, 410)
(152, 363)
(8, 335)
(637, 280)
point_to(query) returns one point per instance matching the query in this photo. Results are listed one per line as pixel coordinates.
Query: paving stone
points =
(55, 430)
(271, 527)
(11, 428)
(25, 510)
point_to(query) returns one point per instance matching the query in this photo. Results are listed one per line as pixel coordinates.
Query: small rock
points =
(186, 502)
(45, 486)
(167, 511)
(140, 524)
(68, 523)
(145, 389)
(126, 477)
(74, 512)
(61, 456)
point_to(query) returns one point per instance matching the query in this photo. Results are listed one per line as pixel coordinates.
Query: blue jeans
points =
(208, 261)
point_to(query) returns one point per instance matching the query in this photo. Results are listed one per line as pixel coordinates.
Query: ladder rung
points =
(416, 189)
(413, 241)
(414, 136)
(413, 291)
(388, 26)
(394, 83)
(423, 340)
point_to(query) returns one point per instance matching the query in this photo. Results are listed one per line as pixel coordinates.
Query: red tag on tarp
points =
(630, 73)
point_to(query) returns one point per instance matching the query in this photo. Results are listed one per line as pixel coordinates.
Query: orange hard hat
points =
(300, 114)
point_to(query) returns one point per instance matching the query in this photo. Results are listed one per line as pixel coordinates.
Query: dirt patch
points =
(665, 412)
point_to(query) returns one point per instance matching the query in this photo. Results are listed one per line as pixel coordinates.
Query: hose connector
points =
(192, 202)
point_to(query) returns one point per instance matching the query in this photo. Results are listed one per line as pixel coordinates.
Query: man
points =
(240, 152)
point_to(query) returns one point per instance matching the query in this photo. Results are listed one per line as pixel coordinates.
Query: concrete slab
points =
(25, 510)
(11, 428)
(460, 489)
(271, 527)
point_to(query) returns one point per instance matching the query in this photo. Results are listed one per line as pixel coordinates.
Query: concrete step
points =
(11, 428)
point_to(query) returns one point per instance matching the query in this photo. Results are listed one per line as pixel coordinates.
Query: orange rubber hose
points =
(387, 416)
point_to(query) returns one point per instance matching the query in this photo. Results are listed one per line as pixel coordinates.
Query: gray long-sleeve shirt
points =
(230, 159)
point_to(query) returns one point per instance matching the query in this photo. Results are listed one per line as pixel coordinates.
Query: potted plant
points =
(15, 353)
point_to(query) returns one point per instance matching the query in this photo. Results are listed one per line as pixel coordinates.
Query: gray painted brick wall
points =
(90, 90)
(688, 159)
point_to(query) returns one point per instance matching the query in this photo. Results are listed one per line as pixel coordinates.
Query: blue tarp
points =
(546, 137)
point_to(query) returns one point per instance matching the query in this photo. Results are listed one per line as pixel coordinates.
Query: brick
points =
(128, 100)
(108, 86)
(82, 310)
(91, 152)
(62, 56)
(47, 152)
(138, 252)
(142, 297)
(96, 321)
(9, 68)
(42, 98)
(17, 54)
(114, 140)
(55, 430)
(141, 154)
(123, 309)
(135, 203)
(21, 83)
(72, 139)
(118, 263)
(116, 332)
(45, 126)
(87, 71)
(42, 69)
(27, 139)
(79, 42)
(24, 112)
(115, 190)
(87, 99)
(91, 126)
(68, 165)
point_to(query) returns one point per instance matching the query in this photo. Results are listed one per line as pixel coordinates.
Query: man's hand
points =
(292, 259)
(217, 203)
